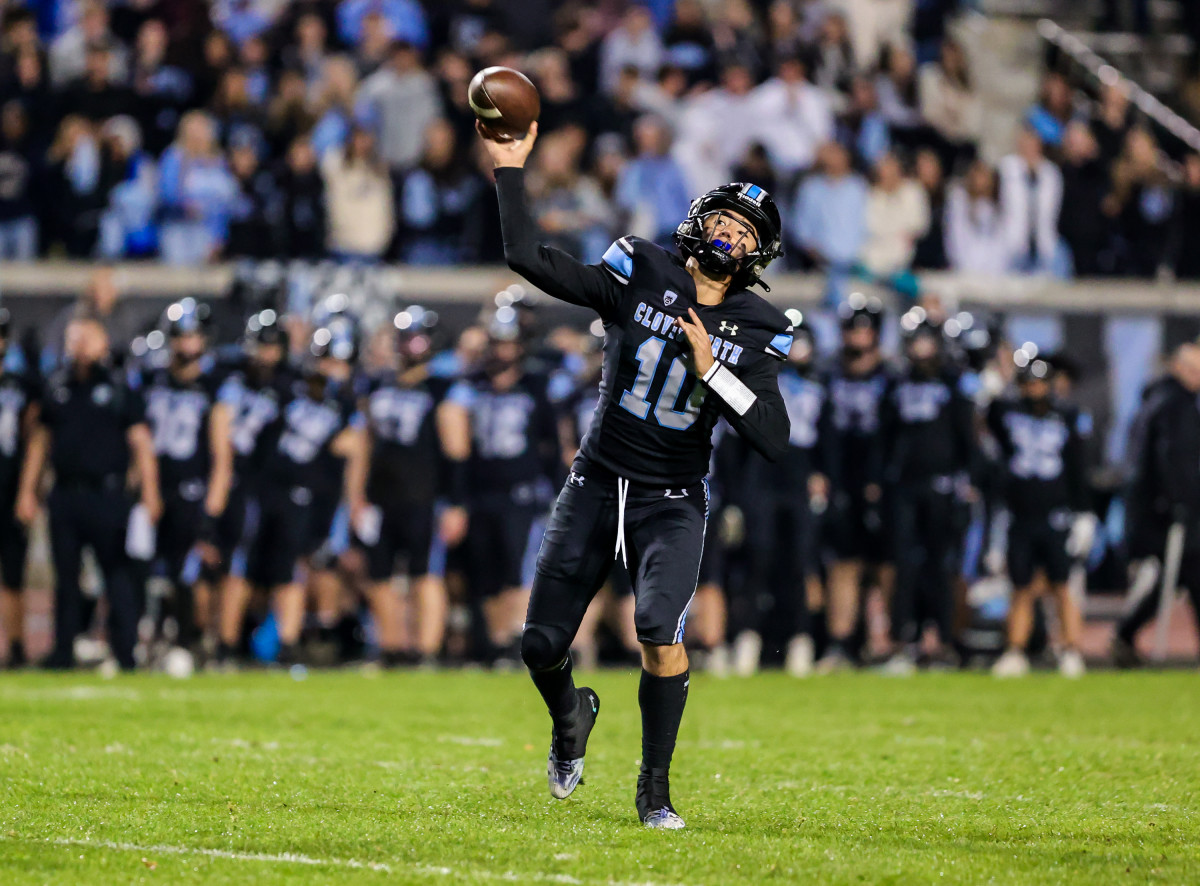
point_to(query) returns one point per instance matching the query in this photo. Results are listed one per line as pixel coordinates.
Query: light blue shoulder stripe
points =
(618, 260)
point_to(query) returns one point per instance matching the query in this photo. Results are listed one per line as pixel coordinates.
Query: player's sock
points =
(557, 686)
(16, 654)
(661, 700)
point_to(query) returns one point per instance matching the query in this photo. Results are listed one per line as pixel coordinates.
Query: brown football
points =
(504, 101)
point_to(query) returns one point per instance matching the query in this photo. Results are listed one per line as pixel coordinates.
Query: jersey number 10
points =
(648, 355)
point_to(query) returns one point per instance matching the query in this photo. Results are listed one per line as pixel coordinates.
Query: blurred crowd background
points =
(191, 131)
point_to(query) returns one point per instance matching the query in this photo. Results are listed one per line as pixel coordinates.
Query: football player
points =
(686, 342)
(501, 437)
(1045, 490)
(403, 486)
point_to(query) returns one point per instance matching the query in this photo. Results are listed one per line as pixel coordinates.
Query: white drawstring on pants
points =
(622, 496)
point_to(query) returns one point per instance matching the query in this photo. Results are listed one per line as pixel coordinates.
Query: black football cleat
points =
(564, 768)
(654, 800)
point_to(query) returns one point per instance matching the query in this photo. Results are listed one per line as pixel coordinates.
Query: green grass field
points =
(439, 778)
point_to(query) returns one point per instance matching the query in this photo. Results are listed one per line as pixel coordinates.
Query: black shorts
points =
(664, 542)
(856, 529)
(405, 532)
(183, 508)
(328, 530)
(713, 564)
(284, 528)
(1039, 542)
(14, 545)
(501, 539)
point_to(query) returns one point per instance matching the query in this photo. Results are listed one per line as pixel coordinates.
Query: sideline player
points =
(686, 342)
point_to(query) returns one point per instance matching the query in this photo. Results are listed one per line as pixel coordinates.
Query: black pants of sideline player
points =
(926, 542)
(1146, 609)
(780, 545)
(94, 517)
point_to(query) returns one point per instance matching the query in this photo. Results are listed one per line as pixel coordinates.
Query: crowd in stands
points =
(190, 132)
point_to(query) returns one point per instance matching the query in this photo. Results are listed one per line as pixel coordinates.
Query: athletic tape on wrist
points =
(729, 388)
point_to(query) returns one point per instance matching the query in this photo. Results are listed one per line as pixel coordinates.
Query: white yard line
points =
(350, 863)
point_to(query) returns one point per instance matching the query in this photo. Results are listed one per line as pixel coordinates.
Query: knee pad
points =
(543, 647)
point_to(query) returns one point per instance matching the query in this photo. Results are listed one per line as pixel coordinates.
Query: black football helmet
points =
(185, 318)
(859, 311)
(416, 328)
(264, 328)
(340, 338)
(1029, 366)
(716, 256)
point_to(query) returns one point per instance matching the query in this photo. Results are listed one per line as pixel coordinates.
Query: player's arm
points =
(141, 447)
(828, 456)
(351, 444)
(220, 445)
(454, 432)
(551, 270)
(37, 448)
(750, 400)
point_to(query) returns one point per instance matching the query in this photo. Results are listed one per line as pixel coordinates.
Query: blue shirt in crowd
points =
(405, 19)
(656, 182)
(830, 216)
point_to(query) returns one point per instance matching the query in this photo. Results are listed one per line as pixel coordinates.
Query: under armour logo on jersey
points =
(669, 298)
(729, 328)
(575, 479)
(682, 494)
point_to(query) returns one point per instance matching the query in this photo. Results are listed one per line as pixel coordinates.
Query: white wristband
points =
(729, 388)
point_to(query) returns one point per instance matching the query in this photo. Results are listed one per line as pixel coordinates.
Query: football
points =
(504, 101)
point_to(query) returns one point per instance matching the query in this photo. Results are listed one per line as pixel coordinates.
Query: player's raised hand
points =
(702, 358)
(513, 152)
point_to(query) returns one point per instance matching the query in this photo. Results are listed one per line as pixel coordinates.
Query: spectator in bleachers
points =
(95, 94)
(829, 221)
(74, 187)
(1141, 202)
(253, 58)
(1187, 221)
(372, 50)
(252, 226)
(562, 102)
(405, 20)
(651, 190)
(306, 52)
(402, 100)
(197, 193)
(862, 129)
(632, 43)
(897, 216)
(302, 195)
(1030, 200)
(437, 201)
(1112, 121)
(18, 180)
(161, 91)
(874, 24)
(785, 37)
(219, 56)
(736, 36)
(243, 20)
(715, 129)
(899, 100)
(1085, 229)
(950, 104)
(289, 115)
(31, 88)
(688, 42)
(359, 201)
(68, 53)
(831, 60)
(974, 224)
(793, 118)
(127, 225)
(232, 108)
(1054, 110)
(931, 247)
(333, 107)
(756, 167)
(664, 96)
(567, 204)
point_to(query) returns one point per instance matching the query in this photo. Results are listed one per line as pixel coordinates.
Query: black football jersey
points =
(297, 446)
(406, 453)
(1042, 456)
(514, 436)
(17, 394)
(254, 405)
(653, 421)
(178, 414)
(927, 429)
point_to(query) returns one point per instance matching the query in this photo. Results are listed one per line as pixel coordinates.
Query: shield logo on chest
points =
(669, 297)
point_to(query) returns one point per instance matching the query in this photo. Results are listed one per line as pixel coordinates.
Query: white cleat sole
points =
(664, 820)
